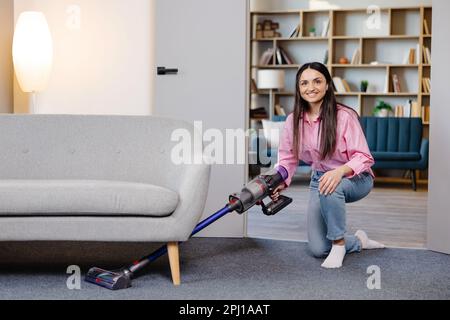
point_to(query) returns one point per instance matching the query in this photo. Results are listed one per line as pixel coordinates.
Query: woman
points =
(328, 136)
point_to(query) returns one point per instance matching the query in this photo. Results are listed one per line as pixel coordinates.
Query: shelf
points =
(305, 39)
(338, 10)
(375, 66)
(264, 39)
(262, 92)
(394, 37)
(277, 66)
(391, 94)
(375, 94)
(401, 29)
(276, 12)
(292, 39)
(347, 93)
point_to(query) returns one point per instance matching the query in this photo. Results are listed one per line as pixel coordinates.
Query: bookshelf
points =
(395, 44)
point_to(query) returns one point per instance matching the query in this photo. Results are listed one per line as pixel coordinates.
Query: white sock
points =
(335, 258)
(368, 243)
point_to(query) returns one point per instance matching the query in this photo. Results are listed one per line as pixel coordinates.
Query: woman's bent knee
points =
(318, 251)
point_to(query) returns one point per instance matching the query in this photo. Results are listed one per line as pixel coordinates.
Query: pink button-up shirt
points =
(351, 146)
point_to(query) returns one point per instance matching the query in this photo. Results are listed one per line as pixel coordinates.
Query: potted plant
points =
(382, 109)
(364, 85)
(312, 32)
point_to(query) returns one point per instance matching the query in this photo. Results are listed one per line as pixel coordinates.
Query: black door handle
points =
(163, 71)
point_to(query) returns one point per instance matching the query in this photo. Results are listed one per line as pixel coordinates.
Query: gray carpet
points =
(224, 269)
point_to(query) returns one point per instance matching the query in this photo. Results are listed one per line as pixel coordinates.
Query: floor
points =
(224, 269)
(392, 214)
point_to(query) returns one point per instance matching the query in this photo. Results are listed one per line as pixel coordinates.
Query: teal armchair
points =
(397, 143)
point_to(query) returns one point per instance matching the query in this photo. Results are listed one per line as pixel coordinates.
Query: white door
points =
(206, 41)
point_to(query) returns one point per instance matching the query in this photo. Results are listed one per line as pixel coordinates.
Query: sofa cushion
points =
(84, 198)
(390, 156)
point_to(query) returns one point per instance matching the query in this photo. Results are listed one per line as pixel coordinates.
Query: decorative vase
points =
(383, 113)
(364, 87)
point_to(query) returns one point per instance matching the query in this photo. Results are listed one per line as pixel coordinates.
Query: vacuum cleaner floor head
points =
(112, 280)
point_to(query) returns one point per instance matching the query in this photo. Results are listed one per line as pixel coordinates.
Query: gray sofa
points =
(97, 178)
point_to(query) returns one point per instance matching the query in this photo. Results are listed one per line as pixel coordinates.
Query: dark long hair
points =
(328, 113)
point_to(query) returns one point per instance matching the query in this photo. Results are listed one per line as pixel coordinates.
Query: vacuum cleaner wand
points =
(252, 194)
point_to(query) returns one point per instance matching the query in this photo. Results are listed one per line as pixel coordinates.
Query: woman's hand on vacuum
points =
(276, 193)
(330, 181)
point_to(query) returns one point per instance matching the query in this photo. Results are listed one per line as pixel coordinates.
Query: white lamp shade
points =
(271, 79)
(32, 51)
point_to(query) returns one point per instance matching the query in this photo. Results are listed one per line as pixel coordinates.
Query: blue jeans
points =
(327, 214)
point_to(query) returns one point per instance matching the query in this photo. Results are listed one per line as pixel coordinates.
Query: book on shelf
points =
(426, 114)
(279, 110)
(346, 86)
(426, 55)
(356, 58)
(416, 110)
(407, 109)
(399, 111)
(279, 59)
(282, 57)
(259, 113)
(341, 85)
(396, 83)
(296, 32)
(426, 84)
(425, 27)
(410, 57)
(410, 110)
(267, 57)
(424, 58)
(325, 28)
(326, 57)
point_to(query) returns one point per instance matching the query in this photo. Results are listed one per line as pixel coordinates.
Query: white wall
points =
(439, 200)
(105, 66)
(6, 69)
(321, 4)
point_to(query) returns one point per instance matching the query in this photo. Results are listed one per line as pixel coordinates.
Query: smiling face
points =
(313, 86)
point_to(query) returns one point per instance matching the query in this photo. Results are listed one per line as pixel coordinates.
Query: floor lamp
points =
(272, 80)
(32, 54)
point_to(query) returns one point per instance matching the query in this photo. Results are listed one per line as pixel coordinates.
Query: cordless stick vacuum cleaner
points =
(252, 194)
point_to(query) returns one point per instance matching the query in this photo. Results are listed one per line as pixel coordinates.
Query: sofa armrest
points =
(192, 191)
(424, 153)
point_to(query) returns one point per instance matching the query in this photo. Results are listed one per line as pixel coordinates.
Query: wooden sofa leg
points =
(174, 260)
